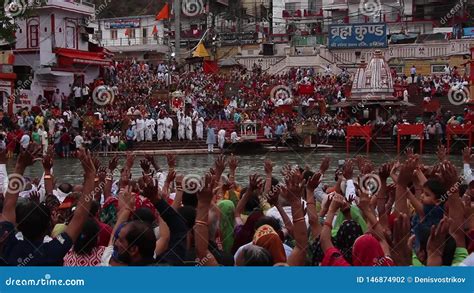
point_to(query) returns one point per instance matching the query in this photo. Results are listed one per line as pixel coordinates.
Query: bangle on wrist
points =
(47, 176)
(328, 224)
(197, 222)
(298, 220)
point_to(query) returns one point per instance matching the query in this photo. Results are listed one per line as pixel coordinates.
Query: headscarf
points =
(347, 234)
(227, 223)
(266, 237)
(245, 234)
(367, 251)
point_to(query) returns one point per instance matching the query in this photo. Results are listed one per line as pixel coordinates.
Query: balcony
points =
(301, 14)
(336, 5)
(78, 6)
(135, 44)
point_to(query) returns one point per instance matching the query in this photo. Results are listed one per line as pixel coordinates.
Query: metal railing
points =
(132, 41)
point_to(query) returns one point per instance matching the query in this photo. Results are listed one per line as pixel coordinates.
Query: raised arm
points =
(83, 207)
(201, 229)
(293, 193)
(16, 182)
(311, 205)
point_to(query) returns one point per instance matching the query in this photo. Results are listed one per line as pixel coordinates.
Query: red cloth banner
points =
(210, 66)
(305, 89)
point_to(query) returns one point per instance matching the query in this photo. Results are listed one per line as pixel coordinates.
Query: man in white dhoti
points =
(181, 126)
(221, 139)
(160, 129)
(234, 137)
(140, 124)
(200, 128)
(168, 128)
(189, 127)
(150, 128)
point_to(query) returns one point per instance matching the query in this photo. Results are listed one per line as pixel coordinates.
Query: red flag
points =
(127, 32)
(164, 13)
(210, 66)
(155, 30)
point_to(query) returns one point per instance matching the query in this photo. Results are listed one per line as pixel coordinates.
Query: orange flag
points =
(164, 13)
(155, 30)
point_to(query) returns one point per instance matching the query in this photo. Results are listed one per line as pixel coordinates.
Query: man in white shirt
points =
(267, 131)
(150, 128)
(78, 140)
(188, 122)
(25, 140)
(160, 129)
(140, 129)
(221, 139)
(57, 99)
(234, 137)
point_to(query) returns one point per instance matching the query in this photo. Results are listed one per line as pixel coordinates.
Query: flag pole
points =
(177, 29)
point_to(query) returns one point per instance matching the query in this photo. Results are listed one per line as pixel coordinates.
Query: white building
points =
(140, 37)
(53, 49)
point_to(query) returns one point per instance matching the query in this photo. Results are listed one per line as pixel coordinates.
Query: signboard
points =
(468, 32)
(353, 36)
(242, 38)
(123, 23)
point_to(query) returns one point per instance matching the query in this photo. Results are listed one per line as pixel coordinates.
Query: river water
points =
(70, 170)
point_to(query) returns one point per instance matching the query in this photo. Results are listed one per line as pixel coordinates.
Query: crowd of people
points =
(412, 214)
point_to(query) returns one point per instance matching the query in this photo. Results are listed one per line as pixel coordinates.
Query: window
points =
(70, 35)
(398, 69)
(113, 34)
(437, 68)
(291, 7)
(33, 35)
(131, 33)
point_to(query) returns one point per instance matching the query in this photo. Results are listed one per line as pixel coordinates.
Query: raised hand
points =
(152, 161)
(384, 171)
(400, 250)
(171, 160)
(113, 163)
(29, 155)
(268, 167)
(255, 182)
(449, 177)
(205, 195)
(294, 189)
(336, 203)
(86, 162)
(47, 161)
(233, 163)
(466, 155)
(324, 165)
(102, 173)
(219, 165)
(146, 166)
(437, 238)
(313, 182)
(405, 177)
(129, 160)
(409, 152)
(348, 170)
(171, 176)
(441, 153)
(34, 196)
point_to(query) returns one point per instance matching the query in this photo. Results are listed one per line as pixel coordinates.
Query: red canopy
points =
(68, 57)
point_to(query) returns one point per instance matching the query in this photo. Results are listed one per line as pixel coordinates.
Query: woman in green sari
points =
(227, 224)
